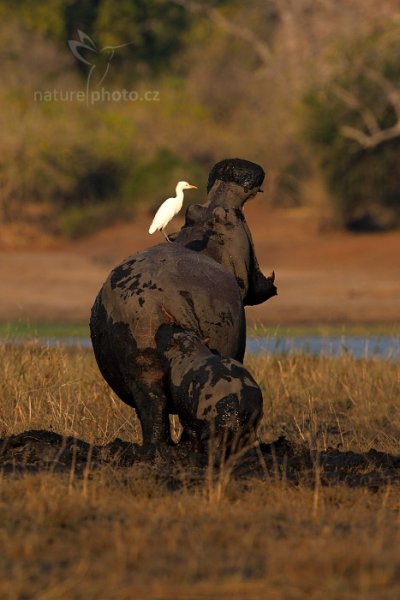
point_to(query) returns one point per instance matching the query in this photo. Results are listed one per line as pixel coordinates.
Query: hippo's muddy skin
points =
(211, 393)
(201, 282)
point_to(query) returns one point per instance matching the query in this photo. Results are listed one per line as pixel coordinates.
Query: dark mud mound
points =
(299, 463)
(41, 451)
(38, 450)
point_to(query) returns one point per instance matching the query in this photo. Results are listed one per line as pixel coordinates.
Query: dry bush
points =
(225, 98)
(219, 97)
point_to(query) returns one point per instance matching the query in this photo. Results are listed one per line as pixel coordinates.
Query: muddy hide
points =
(200, 282)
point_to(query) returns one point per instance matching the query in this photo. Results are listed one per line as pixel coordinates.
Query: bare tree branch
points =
(353, 102)
(371, 141)
(357, 135)
(376, 135)
(387, 86)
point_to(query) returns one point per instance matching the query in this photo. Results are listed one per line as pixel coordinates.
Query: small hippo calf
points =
(211, 394)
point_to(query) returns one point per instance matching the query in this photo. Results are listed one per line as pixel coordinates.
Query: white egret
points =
(170, 208)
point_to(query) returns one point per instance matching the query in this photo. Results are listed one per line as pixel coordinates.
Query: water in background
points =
(382, 347)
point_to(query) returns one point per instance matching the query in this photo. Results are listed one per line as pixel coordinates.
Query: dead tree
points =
(373, 134)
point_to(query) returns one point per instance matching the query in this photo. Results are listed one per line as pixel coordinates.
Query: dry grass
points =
(60, 390)
(331, 401)
(124, 533)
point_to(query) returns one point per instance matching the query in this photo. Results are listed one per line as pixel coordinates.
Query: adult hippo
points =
(201, 281)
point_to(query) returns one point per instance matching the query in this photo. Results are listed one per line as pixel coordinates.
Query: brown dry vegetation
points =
(88, 517)
(230, 90)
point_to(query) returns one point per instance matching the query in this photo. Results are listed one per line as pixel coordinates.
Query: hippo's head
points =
(219, 229)
(246, 174)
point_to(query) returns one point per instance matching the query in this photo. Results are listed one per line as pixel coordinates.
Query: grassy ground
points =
(112, 532)
(43, 329)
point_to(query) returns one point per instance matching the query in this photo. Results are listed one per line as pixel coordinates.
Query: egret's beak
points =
(193, 186)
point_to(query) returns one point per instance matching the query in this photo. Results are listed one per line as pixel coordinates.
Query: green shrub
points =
(70, 157)
(362, 176)
(154, 29)
(80, 221)
(154, 179)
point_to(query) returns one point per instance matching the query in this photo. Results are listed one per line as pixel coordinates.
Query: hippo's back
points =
(162, 283)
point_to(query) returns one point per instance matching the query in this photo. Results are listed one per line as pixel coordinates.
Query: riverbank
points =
(324, 277)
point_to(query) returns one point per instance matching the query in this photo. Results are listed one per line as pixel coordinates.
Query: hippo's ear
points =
(219, 214)
(194, 214)
(226, 216)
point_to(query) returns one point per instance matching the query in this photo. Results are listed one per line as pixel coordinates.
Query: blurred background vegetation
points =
(309, 89)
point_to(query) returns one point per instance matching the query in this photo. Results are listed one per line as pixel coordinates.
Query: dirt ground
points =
(322, 276)
(39, 450)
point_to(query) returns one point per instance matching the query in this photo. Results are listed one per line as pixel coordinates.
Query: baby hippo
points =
(212, 394)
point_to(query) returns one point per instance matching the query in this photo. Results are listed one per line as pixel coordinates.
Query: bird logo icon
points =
(86, 51)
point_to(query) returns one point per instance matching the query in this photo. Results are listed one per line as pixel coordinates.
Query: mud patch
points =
(39, 451)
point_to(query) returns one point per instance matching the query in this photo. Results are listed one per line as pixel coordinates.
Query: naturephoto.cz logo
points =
(98, 61)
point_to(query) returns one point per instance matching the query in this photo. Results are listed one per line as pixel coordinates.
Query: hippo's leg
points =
(151, 408)
(193, 438)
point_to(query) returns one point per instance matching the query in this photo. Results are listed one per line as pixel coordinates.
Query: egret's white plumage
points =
(169, 208)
